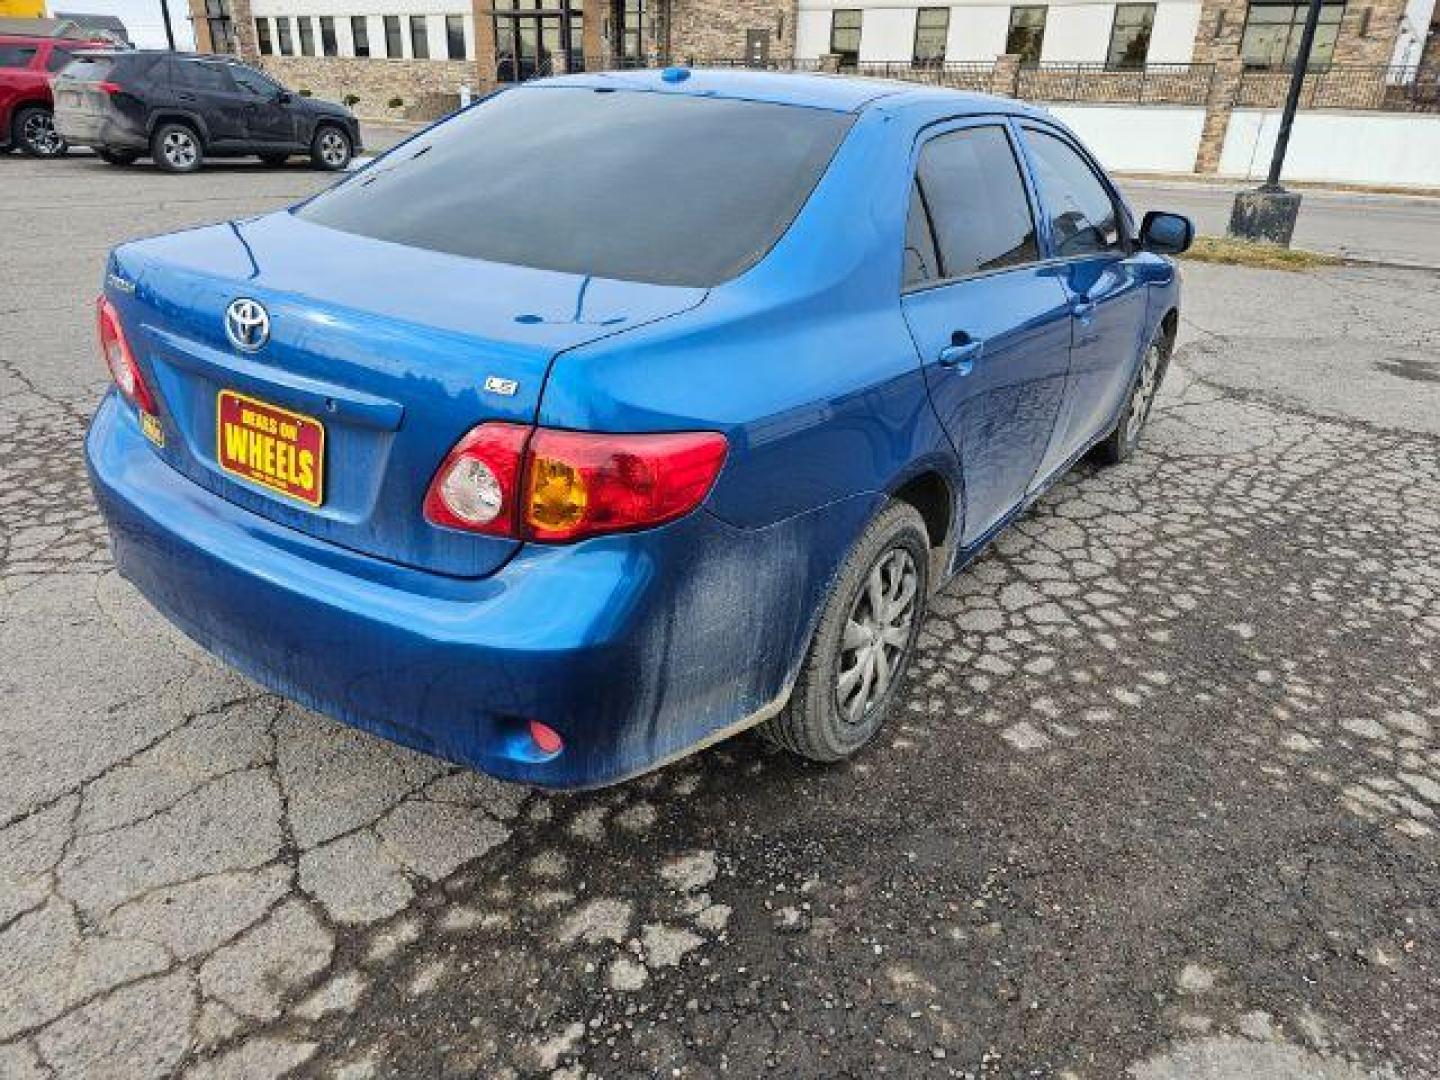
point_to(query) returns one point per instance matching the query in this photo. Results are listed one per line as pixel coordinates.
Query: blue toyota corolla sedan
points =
(619, 413)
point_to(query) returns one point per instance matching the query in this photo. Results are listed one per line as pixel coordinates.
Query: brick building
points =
(421, 52)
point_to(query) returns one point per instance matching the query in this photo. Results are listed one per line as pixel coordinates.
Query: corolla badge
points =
(247, 324)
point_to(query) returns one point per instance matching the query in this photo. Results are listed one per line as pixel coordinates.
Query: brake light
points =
(108, 87)
(563, 486)
(119, 359)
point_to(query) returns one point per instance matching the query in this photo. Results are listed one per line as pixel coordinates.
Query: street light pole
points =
(169, 31)
(1269, 212)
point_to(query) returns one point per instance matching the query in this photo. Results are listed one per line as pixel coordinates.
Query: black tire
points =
(176, 148)
(33, 131)
(1144, 388)
(331, 149)
(274, 160)
(118, 157)
(821, 721)
(6, 148)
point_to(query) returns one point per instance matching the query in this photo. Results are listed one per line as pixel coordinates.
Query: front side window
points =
(307, 35)
(252, 82)
(262, 37)
(973, 190)
(282, 35)
(1078, 207)
(529, 177)
(360, 34)
(1027, 33)
(394, 47)
(1130, 35)
(328, 45)
(419, 38)
(455, 37)
(16, 56)
(1273, 31)
(845, 35)
(932, 25)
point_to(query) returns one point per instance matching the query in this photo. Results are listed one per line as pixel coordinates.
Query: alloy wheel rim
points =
(877, 634)
(332, 148)
(1144, 396)
(179, 149)
(41, 135)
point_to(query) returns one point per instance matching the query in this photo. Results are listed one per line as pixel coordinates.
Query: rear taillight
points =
(119, 359)
(562, 486)
(107, 87)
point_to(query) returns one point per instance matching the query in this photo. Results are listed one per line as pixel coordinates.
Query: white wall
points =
(1413, 28)
(1137, 138)
(888, 33)
(1339, 147)
(358, 7)
(345, 39)
(1078, 32)
(1172, 39)
(977, 32)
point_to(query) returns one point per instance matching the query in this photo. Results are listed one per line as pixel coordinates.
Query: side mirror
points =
(283, 98)
(1165, 233)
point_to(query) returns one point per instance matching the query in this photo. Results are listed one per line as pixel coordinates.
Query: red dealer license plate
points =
(279, 449)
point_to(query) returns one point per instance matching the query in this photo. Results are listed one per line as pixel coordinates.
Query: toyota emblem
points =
(247, 324)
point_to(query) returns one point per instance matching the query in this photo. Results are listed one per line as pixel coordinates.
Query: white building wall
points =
(977, 32)
(1399, 149)
(342, 10)
(888, 33)
(1413, 28)
(1172, 39)
(1078, 33)
(1137, 138)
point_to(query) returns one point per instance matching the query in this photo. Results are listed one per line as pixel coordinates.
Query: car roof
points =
(839, 93)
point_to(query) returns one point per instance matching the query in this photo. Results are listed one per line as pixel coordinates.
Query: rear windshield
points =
(97, 67)
(640, 186)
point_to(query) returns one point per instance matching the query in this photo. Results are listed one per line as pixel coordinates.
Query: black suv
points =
(182, 107)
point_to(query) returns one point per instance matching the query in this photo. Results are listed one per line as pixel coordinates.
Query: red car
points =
(27, 65)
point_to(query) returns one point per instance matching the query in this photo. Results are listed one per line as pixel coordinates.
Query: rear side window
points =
(58, 59)
(976, 198)
(1081, 213)
(16, 56)
(921, 263)
(640, 186)
(204, 76)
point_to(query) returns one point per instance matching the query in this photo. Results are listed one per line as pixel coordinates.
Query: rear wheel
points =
(33, 131)
(118, 157)
(863, 643)
(331, 149)
(1123, 441)
(176, 148)
(273, 160)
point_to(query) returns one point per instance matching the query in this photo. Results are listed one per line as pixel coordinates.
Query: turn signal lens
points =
(581, 484)
(119, 359)
(562, 486)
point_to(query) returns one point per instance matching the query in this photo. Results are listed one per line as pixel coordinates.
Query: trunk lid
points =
(395, 351)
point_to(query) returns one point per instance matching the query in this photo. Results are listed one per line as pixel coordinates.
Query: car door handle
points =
(961, 354)
(1084, 310)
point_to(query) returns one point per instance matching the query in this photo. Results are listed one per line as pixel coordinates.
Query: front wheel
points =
(1123, 441)
(863, 644)
(331, 149)
(34, 132)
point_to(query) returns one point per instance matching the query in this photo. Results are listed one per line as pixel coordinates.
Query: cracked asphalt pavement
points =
(1161, 801)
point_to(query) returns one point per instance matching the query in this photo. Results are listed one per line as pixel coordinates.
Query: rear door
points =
(269, 121)
(989, 318)
(1088, 233)
(206, 88)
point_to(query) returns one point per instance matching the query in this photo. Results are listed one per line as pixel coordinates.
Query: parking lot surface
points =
(1161, 802)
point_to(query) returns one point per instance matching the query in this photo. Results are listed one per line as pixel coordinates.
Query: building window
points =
(455, 37)
(1130, 35)
(1273, 31)
(419, 38)
(328, 44)
(307, 35)
(932, 25)
(1027, 33)
(262, 37)
(217, 19)
(845, 35)
(360, 34)
(394, 45)
(282, 30)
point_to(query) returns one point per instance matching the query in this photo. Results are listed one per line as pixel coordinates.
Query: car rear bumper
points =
(634, 648)
(104, 131)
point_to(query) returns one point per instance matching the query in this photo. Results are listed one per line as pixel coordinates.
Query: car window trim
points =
(937, 130)
(1124, 223)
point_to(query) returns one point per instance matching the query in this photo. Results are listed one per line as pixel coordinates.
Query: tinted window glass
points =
(419, 38)
(455, 36)
(920, 261)
(393, 48)
(640, 186)
(16, 56)
(262, 37)
(252, 82)
(307, 35)
(202, 76)
(360, 35)
(977, 201)
(1081, 213)
(58, 59)
(329, 45)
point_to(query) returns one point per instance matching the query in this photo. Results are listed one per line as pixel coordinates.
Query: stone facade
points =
(427, 89)
(1222, 25)
(716, 29)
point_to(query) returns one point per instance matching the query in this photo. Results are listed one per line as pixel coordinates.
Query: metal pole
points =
(169, 30)
(1292, 99)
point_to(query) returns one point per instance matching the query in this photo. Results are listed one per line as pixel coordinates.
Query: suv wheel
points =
(331, 149)
(34, 132)
(176, 148)
(863, 644)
